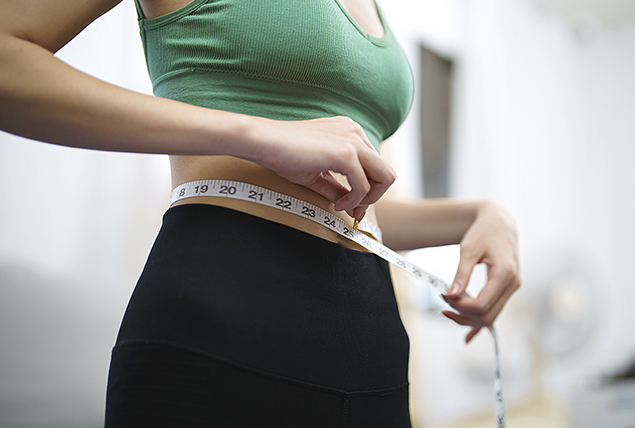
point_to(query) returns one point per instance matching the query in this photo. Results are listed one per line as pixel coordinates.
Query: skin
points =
(328, 162)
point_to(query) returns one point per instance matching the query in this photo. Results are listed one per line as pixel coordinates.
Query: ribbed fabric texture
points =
(281, 59)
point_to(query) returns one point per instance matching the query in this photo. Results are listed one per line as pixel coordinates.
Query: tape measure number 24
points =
(260, 195)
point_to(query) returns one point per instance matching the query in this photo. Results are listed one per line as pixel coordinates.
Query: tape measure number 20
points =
(267, 197)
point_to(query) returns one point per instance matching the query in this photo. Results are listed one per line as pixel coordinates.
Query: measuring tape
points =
(270, 198)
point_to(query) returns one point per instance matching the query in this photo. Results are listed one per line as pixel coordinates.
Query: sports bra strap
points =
(140, 15)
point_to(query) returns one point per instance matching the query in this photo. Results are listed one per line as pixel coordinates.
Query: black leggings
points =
(238, 321)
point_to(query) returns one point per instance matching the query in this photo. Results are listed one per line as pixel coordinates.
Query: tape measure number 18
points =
(267, 197)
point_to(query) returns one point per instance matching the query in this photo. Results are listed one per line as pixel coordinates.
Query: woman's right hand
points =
(307, 152)
(43, 98)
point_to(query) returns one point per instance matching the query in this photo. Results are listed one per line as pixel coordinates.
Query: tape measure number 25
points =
(267, 197)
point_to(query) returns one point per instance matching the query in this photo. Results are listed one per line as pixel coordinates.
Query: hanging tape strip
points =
(262, 196)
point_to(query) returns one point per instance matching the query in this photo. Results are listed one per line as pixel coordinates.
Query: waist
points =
(192, 168)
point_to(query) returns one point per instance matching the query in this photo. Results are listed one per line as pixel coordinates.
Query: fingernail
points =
(454, 290)
(359, 218)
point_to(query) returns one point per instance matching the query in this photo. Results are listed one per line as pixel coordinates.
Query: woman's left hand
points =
(491, 239)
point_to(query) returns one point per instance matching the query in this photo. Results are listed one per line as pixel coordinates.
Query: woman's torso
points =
(191, 168)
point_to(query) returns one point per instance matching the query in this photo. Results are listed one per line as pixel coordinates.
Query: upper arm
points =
(50, 23)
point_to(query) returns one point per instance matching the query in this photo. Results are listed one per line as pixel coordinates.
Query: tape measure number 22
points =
(262, 196)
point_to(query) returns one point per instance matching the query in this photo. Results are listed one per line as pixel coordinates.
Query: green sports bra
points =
(280, 59)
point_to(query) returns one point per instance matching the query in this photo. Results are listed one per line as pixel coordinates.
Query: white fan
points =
(562, 304)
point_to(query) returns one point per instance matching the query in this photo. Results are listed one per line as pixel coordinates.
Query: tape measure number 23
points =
(267, 197)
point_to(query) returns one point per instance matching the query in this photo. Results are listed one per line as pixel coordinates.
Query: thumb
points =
(462, 277)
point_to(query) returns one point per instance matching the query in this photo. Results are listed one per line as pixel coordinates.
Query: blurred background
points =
(527, 102)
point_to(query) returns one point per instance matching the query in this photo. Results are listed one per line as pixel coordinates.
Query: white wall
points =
(75, 228)
(543, 122)
(545, 125)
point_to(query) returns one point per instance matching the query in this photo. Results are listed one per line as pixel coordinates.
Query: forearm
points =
(45, 99)
(487, 233)
(408, 225)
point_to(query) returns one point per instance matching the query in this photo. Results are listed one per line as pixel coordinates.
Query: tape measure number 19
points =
(260, 195)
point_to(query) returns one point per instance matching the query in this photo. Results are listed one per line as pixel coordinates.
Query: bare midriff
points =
(192, 168)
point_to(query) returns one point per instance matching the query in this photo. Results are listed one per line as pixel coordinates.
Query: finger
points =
(471, 334)
(368, 175)
(501, 283)
(467, 262)
(497, 308)
(379, 174)
(377, 190)
(328, 186)
(482, 316)
(359, 213)
(462, 320)
(359, 186)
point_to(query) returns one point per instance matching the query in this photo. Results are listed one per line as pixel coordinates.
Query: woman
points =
(247, 315)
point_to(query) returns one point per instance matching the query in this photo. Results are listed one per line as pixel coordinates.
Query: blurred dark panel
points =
(436, 93)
